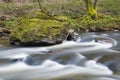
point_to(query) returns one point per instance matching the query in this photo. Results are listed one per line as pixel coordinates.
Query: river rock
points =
(38, 32)
(42, 42)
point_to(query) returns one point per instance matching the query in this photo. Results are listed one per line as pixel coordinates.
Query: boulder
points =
(32, 32)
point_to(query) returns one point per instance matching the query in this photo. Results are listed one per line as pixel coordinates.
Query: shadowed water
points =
(94, 56)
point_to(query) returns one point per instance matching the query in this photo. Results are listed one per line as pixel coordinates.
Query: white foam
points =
(49, 70)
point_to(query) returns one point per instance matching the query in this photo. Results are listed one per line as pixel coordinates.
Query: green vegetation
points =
(50, 18)
(91, 9)
(36, 29)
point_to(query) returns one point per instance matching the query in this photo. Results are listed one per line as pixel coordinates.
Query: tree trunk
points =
(91, 9)
(95, 4)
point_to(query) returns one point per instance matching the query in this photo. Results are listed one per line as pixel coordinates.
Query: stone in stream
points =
(111, 65)
(38, 32)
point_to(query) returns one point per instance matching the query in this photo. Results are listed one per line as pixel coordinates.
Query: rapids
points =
(93, 56)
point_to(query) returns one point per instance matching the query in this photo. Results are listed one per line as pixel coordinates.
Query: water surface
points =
(76, 63)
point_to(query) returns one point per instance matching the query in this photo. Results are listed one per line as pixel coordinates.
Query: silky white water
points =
(93, 57)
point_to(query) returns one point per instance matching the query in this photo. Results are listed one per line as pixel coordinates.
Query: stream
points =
(93, 56)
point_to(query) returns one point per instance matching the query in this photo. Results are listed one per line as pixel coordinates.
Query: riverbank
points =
(24, 22)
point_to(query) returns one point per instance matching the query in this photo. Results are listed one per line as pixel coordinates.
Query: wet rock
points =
(37, 32)
(42, 42)
(2, 18)
(91, 29)
(6, 31)
(36, 59)
(1, 32)
(112, 66)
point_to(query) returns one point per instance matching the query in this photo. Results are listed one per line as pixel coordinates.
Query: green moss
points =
(36, 29)
(105, 24)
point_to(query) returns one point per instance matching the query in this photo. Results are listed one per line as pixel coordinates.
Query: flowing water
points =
(93, 56)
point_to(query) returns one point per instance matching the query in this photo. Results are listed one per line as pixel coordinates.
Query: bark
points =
(95, 4)
(91, 9)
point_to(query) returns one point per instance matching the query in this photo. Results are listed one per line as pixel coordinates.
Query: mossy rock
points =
(36, 29)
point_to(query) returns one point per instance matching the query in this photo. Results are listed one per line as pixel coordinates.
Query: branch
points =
(42, 9)
(40, 5)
